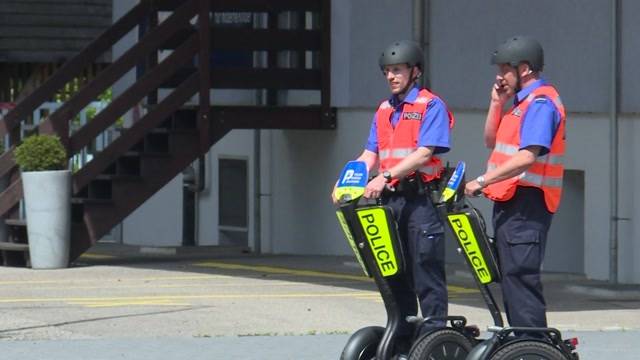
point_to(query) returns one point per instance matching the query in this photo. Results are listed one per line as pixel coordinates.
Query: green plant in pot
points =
(46, 185)
(41, 153)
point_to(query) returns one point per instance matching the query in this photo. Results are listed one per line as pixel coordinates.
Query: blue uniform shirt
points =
(541, 120)
(434, 128)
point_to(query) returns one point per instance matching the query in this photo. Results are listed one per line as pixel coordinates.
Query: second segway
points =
(506, 343)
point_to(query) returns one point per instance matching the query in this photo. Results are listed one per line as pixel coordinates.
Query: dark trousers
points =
(421, 233)
(521, 225)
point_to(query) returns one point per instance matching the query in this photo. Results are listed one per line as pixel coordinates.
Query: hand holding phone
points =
(501, 91)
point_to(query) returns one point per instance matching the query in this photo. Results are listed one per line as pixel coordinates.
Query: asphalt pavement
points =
(593, 345)
(120, 302)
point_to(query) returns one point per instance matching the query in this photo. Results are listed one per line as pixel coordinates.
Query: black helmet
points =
(402, 52)
(519, 49)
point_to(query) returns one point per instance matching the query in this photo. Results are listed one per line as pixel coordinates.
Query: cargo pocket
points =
(431, 243)
(524, 249)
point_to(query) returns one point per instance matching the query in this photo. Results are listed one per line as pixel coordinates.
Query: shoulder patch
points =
(516, 112)
(422, 100)
(384, 105)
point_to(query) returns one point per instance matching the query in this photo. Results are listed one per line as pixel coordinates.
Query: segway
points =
(371, 231)
(469, 229)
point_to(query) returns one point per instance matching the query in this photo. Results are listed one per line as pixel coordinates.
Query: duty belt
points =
(412, 187)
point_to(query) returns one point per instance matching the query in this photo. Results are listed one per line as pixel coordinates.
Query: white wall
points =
(360, 30)
(304, 168)
(157, 222)
(629, 200)
(465, 33)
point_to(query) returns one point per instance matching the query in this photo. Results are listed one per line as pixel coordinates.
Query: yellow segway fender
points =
(465, 227)
(379, 228)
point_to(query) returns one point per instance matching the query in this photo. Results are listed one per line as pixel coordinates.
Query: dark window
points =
(233, 192)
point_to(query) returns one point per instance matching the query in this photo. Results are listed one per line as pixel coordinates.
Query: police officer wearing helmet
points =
(524, 173)
(408, 132)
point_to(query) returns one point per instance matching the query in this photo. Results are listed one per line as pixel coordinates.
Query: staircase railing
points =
(58, 121)
(190, 69)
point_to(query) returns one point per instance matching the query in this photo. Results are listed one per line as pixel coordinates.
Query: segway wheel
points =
(362, 345)
(443, 344)
(529, 350)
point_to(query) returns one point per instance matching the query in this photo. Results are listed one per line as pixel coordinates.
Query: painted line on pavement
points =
(183, 300)
(118, 279)
(245, 284)
(309, 273)
(281, 270)
(132, 302)
(178, 298)
(96, 256)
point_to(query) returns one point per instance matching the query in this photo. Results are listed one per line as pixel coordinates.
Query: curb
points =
(602, 292)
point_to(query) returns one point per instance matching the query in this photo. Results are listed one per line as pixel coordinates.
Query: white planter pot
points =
(47, 197)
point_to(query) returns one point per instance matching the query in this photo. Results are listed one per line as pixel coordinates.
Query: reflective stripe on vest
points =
(510, 150)
(399, 154)
(535, 179)
(395, 153)
(539, 180)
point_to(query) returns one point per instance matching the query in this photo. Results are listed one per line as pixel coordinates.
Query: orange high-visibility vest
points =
(546, 172)
(394, 144)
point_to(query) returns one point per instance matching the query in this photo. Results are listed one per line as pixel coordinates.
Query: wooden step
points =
(16, 241)
(118, 177)
(77, 200)
(16, 222)
(15, 251)
(146, 154)
(173, 131)
(9, 246)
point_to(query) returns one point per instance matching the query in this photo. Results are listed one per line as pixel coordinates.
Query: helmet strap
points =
(518, 80)
(410, 83)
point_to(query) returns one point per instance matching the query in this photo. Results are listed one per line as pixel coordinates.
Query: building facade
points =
(288, 174)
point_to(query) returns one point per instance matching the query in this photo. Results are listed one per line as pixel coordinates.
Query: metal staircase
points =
(170, 135)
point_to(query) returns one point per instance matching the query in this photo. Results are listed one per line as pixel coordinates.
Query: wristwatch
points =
(387, 176)
(481, 181)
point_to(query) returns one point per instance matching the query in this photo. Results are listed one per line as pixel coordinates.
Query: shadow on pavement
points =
(564, 292)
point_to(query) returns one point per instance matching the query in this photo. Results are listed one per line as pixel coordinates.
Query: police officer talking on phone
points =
(524, 173)
(408, 131)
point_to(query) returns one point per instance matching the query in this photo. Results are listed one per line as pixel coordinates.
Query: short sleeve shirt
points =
(541, 120)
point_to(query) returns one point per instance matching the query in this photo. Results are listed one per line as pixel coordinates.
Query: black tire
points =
(529, 350)
(362, 345)
(443, 344)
